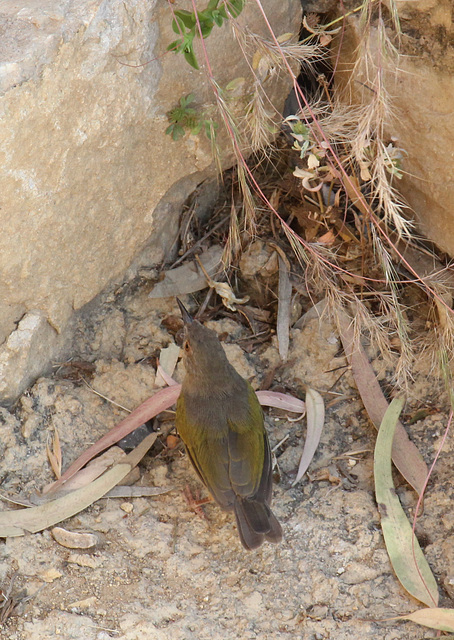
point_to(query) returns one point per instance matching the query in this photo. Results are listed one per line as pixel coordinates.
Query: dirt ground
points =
(160, 570)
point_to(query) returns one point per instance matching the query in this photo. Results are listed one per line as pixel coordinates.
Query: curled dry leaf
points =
(315, 422)
(168, 359)
(223, 290)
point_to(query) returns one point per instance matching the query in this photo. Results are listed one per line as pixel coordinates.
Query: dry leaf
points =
(283, 310)
(160, 401)
(433, 617)
(168, 359)
(34, 519)
(327, 238)
(365, 175)
(312, 161)
(54, 454)
(86, 475)
(136, 492)
(315, 421)
(281, 401)
(188, 278)
(354, 193)
(223, 290)
(325, 39)
(405, 454)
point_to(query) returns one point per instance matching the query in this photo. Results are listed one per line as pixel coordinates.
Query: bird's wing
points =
(209, 453)
(249, 453)
(233, 459)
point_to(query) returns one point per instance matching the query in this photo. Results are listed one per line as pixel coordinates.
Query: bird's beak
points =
(187, 318)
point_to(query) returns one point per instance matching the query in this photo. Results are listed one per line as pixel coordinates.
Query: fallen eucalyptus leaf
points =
(315, 422)
(407, 559)
(283, 309)
(161, 400)
(137, 492)
(433, 617)
(33, 519)
(188, 278)
(406, 456)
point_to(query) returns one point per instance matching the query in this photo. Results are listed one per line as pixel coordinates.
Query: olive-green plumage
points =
(220, 421)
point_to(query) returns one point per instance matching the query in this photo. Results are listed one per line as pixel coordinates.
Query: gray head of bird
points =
(204, 358)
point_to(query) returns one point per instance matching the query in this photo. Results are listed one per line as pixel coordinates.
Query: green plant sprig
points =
(186, 24)
(184, 117)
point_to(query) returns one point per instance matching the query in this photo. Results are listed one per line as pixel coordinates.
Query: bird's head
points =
(203, 355)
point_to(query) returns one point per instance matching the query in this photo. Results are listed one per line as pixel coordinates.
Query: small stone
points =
(84, 604)
(74, 540)
(88, 561)
(127, 507)
(50, 575)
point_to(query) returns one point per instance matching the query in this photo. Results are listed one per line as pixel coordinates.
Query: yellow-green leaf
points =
(416, 577)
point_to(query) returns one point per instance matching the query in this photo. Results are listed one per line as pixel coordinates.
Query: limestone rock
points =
(422, 90)
(25, 354)
(90, 182)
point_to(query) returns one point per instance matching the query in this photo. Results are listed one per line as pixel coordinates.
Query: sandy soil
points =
(160, 570)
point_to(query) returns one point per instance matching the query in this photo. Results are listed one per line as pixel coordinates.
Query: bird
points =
(220, 421)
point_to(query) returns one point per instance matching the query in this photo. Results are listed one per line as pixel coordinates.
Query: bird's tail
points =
(256, 523)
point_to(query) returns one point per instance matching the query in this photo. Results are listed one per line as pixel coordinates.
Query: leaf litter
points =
(281, 396)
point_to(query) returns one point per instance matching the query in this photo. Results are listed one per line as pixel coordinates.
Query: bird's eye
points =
(186, 346)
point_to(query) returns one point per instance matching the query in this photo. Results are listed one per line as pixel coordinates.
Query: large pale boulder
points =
(88, 178)
(421, 85)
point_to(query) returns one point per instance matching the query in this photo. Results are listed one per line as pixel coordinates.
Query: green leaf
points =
(189, 56)
(178, 25)
(184, 101)
(195, 130)
(235, 7)
(217, 17)
(222, 10)
(176, 45)
(186, 18)
(206, 24)
(178, 132)
(213, 4)
(416, 577)
(300, 129)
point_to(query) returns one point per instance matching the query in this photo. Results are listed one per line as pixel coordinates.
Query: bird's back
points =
(225, 438)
